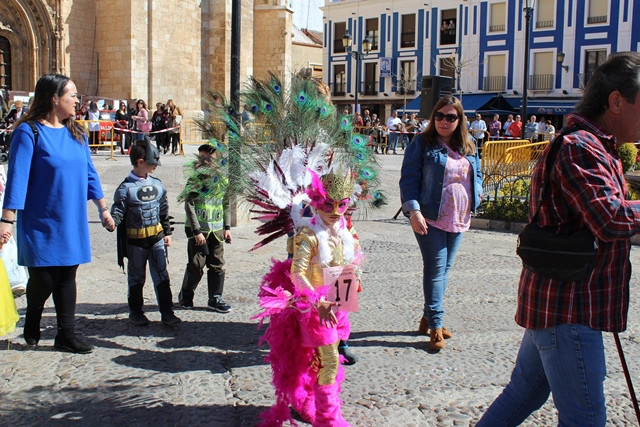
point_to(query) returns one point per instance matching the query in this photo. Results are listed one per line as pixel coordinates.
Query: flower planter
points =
(497, 225)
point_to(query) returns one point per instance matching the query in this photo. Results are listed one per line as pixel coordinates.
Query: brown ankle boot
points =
(423, 329)
(436, 340)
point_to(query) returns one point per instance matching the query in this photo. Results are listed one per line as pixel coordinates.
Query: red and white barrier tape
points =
(115, 129)
(404, 132)
(137, 131)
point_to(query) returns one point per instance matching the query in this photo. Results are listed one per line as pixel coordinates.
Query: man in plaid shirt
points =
(562, 350)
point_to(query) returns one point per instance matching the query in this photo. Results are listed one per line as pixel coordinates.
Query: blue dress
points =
(49, 185)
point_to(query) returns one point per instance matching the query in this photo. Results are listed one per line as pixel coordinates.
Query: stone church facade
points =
(149, 49)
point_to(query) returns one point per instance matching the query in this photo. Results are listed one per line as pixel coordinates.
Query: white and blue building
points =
(480, 44)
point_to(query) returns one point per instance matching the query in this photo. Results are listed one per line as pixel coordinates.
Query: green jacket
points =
(206, 214)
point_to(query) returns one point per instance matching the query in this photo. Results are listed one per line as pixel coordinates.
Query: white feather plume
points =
(316, 161)
(293, 163)
(271, 183)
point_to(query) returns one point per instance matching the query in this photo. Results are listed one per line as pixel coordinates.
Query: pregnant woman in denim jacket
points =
(440, 186)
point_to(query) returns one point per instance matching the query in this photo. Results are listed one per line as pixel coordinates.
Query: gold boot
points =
(436, 340)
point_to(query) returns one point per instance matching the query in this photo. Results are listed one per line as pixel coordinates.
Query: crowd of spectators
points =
(512, 128)
(385, 136)
(138, 119)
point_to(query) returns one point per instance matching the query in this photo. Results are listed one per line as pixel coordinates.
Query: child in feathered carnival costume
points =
(305, 328)
(298, 153)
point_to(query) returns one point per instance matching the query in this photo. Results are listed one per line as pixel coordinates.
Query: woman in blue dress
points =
(51, 177)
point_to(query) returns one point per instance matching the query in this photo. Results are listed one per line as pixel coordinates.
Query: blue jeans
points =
(405, 140)
(137, 264)
(566, 360)
(393, 142)
(438, 250)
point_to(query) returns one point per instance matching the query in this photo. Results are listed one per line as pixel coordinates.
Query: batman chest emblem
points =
(147, 193)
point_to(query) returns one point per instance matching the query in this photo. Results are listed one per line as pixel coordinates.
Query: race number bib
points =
(343, 287)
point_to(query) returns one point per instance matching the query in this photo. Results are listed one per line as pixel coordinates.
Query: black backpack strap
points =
(549, 161)
(34, 129)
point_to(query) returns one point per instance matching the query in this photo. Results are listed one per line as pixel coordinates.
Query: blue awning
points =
(550, 107)
(473, 101)
(546, 106)
(413, 106)
(497, 105)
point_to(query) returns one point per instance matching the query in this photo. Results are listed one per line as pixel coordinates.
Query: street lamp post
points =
(528, 11)
(347, 43)
(457, 66)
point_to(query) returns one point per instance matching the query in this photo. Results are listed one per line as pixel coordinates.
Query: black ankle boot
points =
(31, 331)
(31, 335)
(344, 350)
(69, 341)
(31, 340)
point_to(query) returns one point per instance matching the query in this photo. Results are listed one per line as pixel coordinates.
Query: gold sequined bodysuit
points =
(306, 264)
(306, 269)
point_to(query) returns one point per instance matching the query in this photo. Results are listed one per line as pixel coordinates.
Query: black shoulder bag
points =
(555, 256)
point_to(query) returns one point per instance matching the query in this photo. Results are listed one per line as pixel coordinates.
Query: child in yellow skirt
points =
(8, 313)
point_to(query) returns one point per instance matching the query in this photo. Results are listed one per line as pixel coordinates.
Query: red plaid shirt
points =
(587, 187)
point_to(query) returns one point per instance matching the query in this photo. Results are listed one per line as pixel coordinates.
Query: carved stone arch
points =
(8, 58)
(28, 26)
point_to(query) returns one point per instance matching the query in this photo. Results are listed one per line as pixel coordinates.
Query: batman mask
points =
(153, 155)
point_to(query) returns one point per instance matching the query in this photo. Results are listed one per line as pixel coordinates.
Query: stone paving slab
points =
(209, 371)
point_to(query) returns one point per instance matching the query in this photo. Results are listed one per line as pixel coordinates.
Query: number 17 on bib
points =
(343, 287)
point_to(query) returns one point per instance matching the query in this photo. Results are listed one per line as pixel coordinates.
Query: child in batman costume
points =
(141, 213)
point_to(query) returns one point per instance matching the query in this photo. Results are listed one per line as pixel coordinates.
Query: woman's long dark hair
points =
(141, 101)
(460, 139)
(42, 104)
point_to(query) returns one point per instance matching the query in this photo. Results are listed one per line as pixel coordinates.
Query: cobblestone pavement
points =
(209, 371)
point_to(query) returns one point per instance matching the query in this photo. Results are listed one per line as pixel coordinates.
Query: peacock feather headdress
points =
(295, 129)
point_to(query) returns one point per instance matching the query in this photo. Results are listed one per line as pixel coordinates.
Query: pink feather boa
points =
(293, 333)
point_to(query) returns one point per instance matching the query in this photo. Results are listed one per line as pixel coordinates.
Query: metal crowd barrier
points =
(106, 135)
(508, 161)
(191, 134)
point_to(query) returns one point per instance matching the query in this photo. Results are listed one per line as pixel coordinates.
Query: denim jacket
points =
(422, 177)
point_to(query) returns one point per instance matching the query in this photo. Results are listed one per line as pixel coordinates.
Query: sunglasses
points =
(451, 118)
